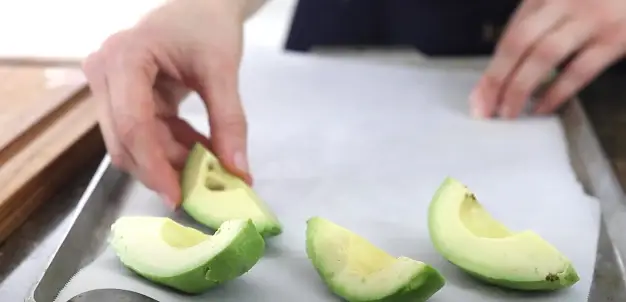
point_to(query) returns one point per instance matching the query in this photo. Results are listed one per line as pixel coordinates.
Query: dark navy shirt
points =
(434, 27)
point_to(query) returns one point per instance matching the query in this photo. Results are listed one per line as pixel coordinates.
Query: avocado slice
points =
(464, 233)
(356, 270)
(212, 195)
(168, 253)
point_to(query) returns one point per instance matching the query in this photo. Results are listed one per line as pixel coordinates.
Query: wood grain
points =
(48, 182)
(29, 94)
(36, 163)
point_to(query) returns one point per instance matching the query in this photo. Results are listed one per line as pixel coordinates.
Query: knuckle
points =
(565, 87)
(234, 124)
(548, 52)
(114, 41)
(580, 71)
(126, 129)
(622, 37)
(91, 64)
(614, 37)
(225, 63)
(555, 97)
(117, 159)
(125, 48)
(131, 47)
(493, 82)
(134, 55)
(515, 91)
(93, 67)
(517, 39)
(558, 96)
(219, 65)
(94, 71)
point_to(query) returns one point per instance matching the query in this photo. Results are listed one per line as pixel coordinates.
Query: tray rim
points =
(104, 165)
(573, 107)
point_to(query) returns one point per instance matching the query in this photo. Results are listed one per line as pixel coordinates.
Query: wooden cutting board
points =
(53, 135)
(30, 93)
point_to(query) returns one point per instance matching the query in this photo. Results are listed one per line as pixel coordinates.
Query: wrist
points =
(247, 8)
(242, 9)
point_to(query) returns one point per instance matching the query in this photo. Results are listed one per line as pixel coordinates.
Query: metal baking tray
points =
(101, 203)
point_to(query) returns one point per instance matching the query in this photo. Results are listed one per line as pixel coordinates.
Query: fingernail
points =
(476, 104)
(169, 202)
(477, 112)
(505, 112)
(539, 110)
(241, 162)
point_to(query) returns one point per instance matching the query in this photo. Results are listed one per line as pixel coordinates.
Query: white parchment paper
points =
(366, 146)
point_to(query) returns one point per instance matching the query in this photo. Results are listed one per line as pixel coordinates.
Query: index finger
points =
(133, 109)
(526, 27)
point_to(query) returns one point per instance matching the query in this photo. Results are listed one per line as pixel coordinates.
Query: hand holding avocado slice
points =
(211, 195)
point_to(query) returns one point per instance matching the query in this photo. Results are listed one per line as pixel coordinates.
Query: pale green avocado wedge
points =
(167, 253)
(464, 233)
(211, 195)
(356, 270)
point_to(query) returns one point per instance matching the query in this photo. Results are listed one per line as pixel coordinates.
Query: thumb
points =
(219, 90)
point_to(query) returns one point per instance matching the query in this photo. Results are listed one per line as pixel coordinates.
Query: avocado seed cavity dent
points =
(212, 195)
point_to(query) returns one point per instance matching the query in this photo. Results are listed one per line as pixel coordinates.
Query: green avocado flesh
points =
(183, 258)
(356, 270)
(211, 195)
(465, 234)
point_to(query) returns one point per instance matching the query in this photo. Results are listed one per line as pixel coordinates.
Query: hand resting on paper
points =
(586, 36)
(140, 75)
